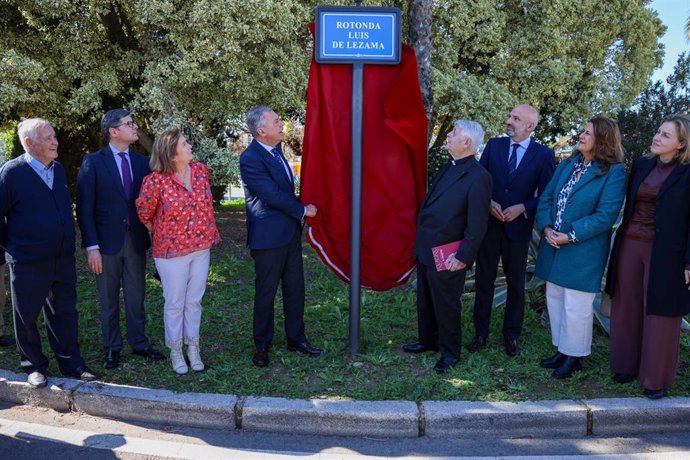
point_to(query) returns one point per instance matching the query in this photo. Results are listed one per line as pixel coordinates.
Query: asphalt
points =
(380, 419)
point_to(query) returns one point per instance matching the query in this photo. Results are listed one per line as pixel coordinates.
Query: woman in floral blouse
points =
(575, 216)
(175, 203)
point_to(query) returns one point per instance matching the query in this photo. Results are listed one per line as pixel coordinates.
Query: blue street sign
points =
(346, 35)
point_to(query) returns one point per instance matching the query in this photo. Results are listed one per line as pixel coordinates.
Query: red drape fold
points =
(393, 167)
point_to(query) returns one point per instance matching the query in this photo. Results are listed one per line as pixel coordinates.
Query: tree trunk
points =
(419, 14)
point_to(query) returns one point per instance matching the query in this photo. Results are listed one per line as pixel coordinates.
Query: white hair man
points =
(36, 215)
(456, 208)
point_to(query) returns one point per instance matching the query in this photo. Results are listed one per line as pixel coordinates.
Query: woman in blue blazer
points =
(649, 271)
(575, 215)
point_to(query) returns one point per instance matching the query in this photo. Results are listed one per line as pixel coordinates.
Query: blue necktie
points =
(276, 156)
(512, 161)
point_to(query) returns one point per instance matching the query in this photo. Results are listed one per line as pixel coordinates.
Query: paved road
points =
(28, 432)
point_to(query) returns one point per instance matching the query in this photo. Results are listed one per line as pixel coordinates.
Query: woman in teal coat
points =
(575, 215)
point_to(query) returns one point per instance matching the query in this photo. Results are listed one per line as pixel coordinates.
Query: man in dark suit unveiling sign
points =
(274, 234)
(520, 169)
(115, 240)
(455, 208)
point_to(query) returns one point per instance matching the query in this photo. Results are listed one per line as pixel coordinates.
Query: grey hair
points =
(473, 130)
(111, 119)
(29, 128)
(255, 118)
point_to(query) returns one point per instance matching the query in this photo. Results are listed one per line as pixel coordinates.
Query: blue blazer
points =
(591, 210)
(274, 213)
(524, 186)
(102, 208)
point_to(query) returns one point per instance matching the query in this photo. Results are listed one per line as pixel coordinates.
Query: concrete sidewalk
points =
(458, 419)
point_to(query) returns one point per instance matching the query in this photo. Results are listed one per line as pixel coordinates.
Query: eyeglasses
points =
(131, 124)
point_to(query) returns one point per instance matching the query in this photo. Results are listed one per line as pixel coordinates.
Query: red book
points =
(443, 252)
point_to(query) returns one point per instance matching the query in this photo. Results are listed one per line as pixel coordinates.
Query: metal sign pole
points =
(356, 209)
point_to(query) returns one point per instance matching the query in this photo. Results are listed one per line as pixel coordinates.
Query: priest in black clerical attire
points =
(456, 208)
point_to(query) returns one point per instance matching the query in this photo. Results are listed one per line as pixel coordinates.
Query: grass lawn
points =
(383, 371)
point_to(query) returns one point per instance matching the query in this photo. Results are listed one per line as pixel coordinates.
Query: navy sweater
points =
(38, 221)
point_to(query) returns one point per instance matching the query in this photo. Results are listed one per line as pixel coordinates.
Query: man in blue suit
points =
(115, 241)
(520, 169)
(274, 234)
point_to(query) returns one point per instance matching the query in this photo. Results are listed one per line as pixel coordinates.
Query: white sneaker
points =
(37, 380)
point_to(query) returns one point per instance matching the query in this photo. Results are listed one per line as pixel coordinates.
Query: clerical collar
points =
(461, 160)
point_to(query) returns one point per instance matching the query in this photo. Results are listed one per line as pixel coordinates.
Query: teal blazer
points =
(591, 210)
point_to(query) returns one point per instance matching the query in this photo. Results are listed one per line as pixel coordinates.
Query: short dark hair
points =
(111, 119)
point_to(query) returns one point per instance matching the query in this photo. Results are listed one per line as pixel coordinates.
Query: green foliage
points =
(205, 62)
(658, 100)
(571, 60)
(11, 147)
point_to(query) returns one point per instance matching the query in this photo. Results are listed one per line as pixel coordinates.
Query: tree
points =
(202, 63)
(198, 63)
(569, 59)
(658, 100)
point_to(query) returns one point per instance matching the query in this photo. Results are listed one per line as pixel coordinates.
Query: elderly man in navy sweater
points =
(38, 229)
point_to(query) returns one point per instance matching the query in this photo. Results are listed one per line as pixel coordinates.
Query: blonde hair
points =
(164, 149)
(682, 123)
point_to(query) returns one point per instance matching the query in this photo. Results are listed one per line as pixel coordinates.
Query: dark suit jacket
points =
(274, 213)
(36, 223)
(524, 186)
(455, 208)
(102, 208)
(667, 293)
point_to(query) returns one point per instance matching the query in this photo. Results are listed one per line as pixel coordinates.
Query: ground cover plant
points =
(382, 371)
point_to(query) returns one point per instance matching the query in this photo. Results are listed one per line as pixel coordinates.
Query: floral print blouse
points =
(578, 172)
(183, 221)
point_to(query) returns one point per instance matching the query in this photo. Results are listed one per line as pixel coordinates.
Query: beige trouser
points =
(571, 315)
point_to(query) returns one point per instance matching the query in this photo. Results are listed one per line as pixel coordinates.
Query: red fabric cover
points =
(393, 167)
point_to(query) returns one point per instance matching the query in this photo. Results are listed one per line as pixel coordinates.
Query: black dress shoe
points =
(654, 394)
(477, 344)
(417, 347)
(82, 373)
(620, 377)
(444, 364)
(112, 359)
(6, 340)
(512, 348)
(553, 362)
(150, 353)
(260, 358)
(305, 348)
(570, 365)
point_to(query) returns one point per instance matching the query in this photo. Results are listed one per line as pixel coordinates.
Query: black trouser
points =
(513, 254)
(439, 308)
(48, 285)
(126, 270)
(283, 264)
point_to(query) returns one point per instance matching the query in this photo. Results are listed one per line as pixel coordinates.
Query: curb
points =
(382, 419)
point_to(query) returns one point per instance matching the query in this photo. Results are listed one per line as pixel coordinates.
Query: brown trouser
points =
(641, 344)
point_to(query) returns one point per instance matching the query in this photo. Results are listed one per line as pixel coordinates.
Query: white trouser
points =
(571, 314)
(184, 283)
